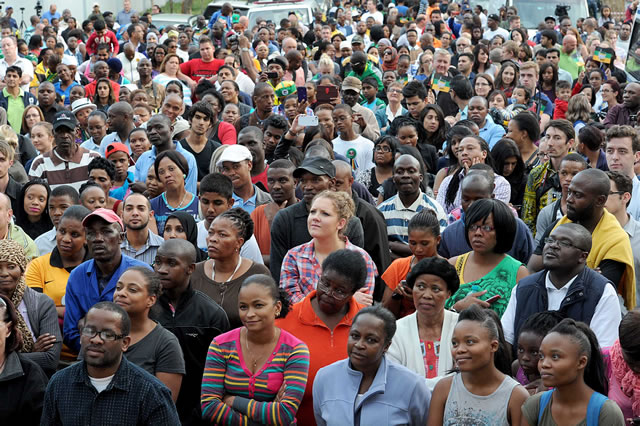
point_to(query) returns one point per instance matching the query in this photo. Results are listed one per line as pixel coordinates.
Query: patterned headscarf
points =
(11, 251)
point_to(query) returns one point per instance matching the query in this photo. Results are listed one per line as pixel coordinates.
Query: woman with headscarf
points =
(183, 225)
(389, 59)
(37, 317)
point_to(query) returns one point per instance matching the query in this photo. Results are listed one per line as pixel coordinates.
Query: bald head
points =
(593, 181)
(123, 108)
(289, 44)
(407, 159)
(5, 202)
(477, 182)
(179, 248)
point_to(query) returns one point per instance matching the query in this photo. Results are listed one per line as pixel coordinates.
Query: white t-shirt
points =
(358, 151)
(377, 16)
(101, 384)
(249, 250)
(490, 34)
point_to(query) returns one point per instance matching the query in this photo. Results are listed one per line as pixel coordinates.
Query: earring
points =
(184, 176)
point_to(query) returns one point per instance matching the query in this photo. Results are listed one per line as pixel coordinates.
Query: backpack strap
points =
(593, 409)
(544, 401)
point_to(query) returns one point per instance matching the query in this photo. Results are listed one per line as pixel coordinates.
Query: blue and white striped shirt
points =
(397, 215)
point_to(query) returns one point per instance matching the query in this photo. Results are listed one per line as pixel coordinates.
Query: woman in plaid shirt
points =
(301, 269)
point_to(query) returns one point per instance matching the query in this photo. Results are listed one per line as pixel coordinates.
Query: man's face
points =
(213, 205)
(97, 352)
(281, 184)
(8, 47)
(565, 25)
(206, 52)
(172, 107)
(343, 120)
(569, 44)
(326, 33)
(350, 97)
(558, 257)
(144, 68)
(514, 24)
(103, 239)
(553, 57)
(550, 24)
(254, 145)
(200, 123)
(239, 173)
(528, 78)
(12, 79)
(616, 202)
(116, 121)
(631, 95)
(264, 100)
(121, 162)
(312, 185)
(64, 137)
(406, 175)
(136, 213)
(462, 44)
(581, 202)
(171, 268)
(225, 74)
(557, 144)
(344, 179)
(101, 70)
(415, 105)
(277, 68)
(159, 131)
(57, 206)
(361, 27)
(464, 64)
(478, 111)
(412, 37)
(625, 31)
(441, 64)
(228, 91)
(620, 155)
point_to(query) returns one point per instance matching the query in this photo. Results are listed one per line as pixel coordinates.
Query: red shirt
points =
(90, 89)
(108, 38)
(262, 178)
(197, 68)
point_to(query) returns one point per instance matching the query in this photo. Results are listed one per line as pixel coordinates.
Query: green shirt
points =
(573, 63)
(15, 109)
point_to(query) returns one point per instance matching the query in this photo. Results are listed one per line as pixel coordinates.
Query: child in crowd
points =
(561, 104)
(534, 329)
(370, 92)
(92, 196)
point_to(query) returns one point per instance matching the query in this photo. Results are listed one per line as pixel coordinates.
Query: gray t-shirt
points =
(158, 351)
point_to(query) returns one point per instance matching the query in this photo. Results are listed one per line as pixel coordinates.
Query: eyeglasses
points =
(337, 294)
(561, 243)
(395, 91)
(616, 192)
(105, 335)
(483, 228)
(482, 84)
(382, 148)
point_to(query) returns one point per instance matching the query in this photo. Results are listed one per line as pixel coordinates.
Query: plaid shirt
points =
(134, 397)
(543, 188)
(301, 271)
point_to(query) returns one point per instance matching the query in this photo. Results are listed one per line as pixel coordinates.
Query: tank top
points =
(466, 408)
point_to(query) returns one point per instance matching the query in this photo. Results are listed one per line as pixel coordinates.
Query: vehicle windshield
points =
(533, 12)
(278, 14)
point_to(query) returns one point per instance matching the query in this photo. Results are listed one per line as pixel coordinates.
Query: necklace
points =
(179, 205)
(223, 285)
(255, 360)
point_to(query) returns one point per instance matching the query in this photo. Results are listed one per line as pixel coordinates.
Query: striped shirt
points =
(225, 373)
(146, 253)
(397, 216)
(58, 171)
(301, 271)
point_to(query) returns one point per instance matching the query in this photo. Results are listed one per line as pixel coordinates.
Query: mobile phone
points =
(272, 75)
(493, 299)
(302, 94)
(326, 94)
(308, 120)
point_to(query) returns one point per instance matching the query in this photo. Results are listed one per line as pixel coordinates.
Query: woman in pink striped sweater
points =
(256, 373)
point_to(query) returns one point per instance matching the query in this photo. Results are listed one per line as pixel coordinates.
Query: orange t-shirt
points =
(261, 229)
(395, 273)
(325, 346)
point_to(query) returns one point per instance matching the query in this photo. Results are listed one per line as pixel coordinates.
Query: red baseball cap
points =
(105, 214)
(118, 147)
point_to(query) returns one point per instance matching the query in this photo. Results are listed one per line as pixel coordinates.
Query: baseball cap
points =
(494, 17)
(66, 119)
(118, 147)
(357, 39)
(344, 44)
(546, 18)
(235, 154)
(317, 166)
(352, 83)
(105, 214)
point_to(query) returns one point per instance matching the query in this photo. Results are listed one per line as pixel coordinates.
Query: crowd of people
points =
(400, 212)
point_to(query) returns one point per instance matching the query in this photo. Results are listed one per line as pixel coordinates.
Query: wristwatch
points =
(245, 49)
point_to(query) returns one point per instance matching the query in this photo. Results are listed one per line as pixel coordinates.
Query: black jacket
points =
(22, 386)
(196, 321)
(289, 229)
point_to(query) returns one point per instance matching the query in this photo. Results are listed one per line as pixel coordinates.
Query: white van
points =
(275, 11)
(533, 12)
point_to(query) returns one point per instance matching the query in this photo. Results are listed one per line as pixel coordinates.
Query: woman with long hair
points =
(611, 95)
(221, 276)
(159, 52)
(548, 79)
(511, 166)
(450, 162)
(328, 217)
(31, 115)
(153, 348)
(168, 72)
(483, 85)
(384, 154)
(572, 366)
(435, 126)
(482, 63)
(255, 373)
(481, 387)
(104, 96)
(32, 214)
(579, 111)
(411, 132)
(487, 270)
(508, 77)
(172, 169)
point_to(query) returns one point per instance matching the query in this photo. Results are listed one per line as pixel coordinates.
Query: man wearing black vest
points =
(567, 285)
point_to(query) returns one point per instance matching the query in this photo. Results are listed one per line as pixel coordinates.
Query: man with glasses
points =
(104, 387)
(627, 111)
(95, 280)
(610, 252)
(568, 285)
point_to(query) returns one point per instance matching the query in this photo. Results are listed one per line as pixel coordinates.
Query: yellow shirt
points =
(51, 279)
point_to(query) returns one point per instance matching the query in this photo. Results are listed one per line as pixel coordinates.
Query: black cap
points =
(66, 119)
(553, 18)
(317, 166)
(494, 17)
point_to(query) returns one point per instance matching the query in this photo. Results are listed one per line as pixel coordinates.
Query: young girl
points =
(139, 141)
(605, 15)
(479, 390)
(104, 96)
(33, 213)
(571, 363)
(534, 329)
(92, 196)
(42, 137)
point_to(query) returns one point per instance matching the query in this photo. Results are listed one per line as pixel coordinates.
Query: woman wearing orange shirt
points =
(424, 237)
(323, 318)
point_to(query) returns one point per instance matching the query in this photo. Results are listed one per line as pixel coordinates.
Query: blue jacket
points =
(579, 304)
(453, 242)
(83, 292)
(146, 160)
(396, 396)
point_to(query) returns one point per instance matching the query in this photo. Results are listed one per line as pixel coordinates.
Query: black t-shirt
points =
(203, 158)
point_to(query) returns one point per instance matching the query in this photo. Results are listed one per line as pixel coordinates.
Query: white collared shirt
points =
(604, 322)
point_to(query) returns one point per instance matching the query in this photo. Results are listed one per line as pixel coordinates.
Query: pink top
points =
(615, 392)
